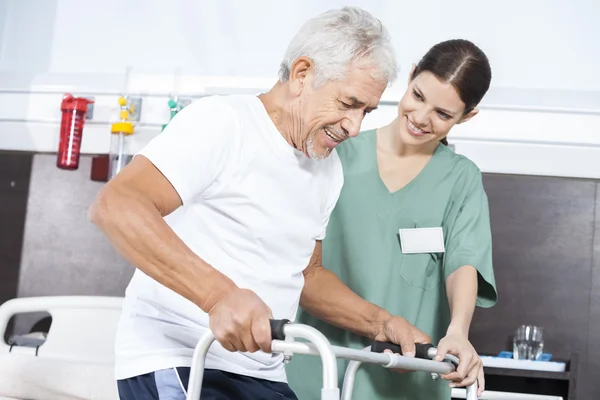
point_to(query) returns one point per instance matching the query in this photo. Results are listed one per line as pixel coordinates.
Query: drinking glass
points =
(528, 342)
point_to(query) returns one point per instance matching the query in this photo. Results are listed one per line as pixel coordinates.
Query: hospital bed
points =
(74, 360)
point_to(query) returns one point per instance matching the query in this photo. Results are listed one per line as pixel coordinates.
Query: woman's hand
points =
(470, 367)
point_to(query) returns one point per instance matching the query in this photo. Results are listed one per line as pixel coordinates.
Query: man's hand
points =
(397, 330)
(240, 322)
(470, 367)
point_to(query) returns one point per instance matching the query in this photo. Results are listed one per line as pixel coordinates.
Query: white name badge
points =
(422, 240)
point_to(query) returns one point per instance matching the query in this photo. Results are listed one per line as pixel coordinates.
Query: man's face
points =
(333, 112)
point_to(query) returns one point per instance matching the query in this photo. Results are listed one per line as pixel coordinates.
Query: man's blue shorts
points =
(172, 384)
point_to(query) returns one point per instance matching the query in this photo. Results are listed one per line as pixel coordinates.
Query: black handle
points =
(277, 328)
(420, 349)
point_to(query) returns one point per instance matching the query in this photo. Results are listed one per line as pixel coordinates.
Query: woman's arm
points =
(461, 289)
(468, 268)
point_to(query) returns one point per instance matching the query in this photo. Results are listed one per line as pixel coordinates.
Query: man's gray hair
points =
(336, 39)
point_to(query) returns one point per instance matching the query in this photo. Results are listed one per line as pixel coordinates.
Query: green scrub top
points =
(363, 248)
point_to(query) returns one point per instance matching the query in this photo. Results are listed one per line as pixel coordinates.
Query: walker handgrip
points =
(420, 349)
(277, 325)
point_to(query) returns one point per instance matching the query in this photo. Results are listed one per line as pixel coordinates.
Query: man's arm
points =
(326, 297)
(129, 210)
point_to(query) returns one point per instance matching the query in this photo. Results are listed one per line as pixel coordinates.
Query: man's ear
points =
(299, 72)
(467, 117)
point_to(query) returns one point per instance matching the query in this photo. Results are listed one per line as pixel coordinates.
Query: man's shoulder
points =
(333, 171)
(216, 105)
(206, 111)
(333, 163)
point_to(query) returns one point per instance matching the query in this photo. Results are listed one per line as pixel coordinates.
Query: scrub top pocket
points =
(422, 270)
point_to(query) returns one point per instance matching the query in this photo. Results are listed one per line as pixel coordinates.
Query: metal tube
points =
(353, 366)
(120, 146)
(340, 352)
(495, 395)
(321, 343)
(197, 369)
(388, 360)
(432, 352)
(471, 389)
(329, 390)
(419, 364)
(350, 377)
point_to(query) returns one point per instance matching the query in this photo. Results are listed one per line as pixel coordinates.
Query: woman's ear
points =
(468, 116)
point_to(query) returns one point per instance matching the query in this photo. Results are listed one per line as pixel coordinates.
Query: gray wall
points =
(546, 246)
(63, 253)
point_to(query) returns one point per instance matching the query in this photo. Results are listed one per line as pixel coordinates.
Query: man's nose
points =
(351, 124)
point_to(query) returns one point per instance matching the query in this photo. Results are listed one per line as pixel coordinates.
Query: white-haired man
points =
(222, 213)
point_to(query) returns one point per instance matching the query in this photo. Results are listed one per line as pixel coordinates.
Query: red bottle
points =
(71, 131)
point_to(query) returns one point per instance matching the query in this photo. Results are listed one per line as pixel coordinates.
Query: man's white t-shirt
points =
(253, 207)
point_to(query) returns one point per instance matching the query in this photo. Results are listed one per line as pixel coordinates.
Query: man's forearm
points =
(328, 298)
(461, 289)
(140, 235)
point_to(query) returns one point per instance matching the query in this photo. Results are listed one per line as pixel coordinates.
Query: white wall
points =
(542, 114)
(549, 44)
(3, 14)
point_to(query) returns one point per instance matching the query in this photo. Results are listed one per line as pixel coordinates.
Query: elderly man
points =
(223, 213)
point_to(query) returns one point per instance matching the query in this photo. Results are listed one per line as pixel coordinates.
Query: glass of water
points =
(528, 343)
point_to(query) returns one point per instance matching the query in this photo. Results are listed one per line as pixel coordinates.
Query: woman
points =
(400, 178)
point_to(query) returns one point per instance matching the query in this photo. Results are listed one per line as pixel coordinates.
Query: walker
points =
(283, 333)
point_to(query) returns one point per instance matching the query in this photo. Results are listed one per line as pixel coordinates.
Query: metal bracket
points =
(287, 354)
(135, 108)
(182, 103)
(90, 110)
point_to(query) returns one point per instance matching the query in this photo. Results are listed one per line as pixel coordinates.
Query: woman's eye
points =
(443, 115)
(417, 95)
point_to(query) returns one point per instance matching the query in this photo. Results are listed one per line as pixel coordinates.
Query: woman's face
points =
(429, 109)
